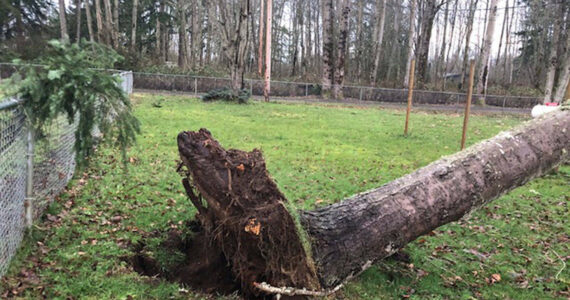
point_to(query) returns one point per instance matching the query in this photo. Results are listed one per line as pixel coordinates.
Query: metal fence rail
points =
(32, 173)
(203, 84)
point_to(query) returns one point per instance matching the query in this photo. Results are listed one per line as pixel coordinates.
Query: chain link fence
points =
(307, 90)
(32, 173)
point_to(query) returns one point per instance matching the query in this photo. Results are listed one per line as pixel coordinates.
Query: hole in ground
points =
(187, 258)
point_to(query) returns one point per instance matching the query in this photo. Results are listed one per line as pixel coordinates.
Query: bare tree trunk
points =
(485, 53)
(378, 37)
(440, 70)
(350, 235)
(508, 47)
(470, 19)
(328, 57)
(108, 24)
(101, 36)
(116, 24)
(295, 31)
(359, 39)
(158, 38)
(261, 29)
(446, 64)
(341, 50)
(301, 25)
(308, 39)
(395, 54)
(182, 55)
(558, 13)
(411, 39)
(564, 77)
(503, 29)
(196, 32)
(268, 25)
(210, 8)
(346, 238)
(63, 22)
(78, 20)
(134, 25)
(89, 21)
(431, 7)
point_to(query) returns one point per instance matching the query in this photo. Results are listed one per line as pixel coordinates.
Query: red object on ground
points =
(551, 104)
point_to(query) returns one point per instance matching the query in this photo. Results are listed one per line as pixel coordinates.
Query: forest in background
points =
(520, 46)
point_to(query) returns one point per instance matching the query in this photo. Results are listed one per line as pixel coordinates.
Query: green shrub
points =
(227, 94)
(71, 81)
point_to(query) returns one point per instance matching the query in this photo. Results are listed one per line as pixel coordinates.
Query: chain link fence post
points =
(29, 200)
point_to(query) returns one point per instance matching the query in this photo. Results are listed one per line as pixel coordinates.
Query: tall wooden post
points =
(267, 85)
(260, 51)
(410, 93)
(468, 104)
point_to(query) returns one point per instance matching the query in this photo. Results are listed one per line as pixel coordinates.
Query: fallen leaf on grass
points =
(494, 278)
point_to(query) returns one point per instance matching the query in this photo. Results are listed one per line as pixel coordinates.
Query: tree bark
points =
(89, 21)
(431, 7)
(158, 36)
(553, 58)
(446, 63)
(78, 21)
(411, 39)
(134, 25)
(268, 37)
(116, 24)
(328, 44)
(261, 29)
(245, 213)
(503, 29)
(101, 36)
(469, 30)
(378, 37)
(359, 39)
(395, 53)
(440, 62)
(108, 24)
(234, 31)
(485, 53)
(564, 77)
(63, 22)
(341, 50)
(182, 55)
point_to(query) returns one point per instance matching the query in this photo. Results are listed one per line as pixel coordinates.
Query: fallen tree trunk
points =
(245, 214)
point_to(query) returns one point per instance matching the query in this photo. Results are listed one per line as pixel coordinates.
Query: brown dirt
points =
(204, 268)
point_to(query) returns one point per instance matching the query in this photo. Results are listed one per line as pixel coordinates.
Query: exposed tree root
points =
(243, 212)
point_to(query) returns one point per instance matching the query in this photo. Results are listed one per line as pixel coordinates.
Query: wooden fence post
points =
(410, 94)
(468, 104)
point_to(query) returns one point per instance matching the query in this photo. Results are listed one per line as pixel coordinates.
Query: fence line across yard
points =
(33, 173)
(203, 84)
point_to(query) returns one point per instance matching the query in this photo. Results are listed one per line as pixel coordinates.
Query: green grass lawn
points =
(514, 248)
